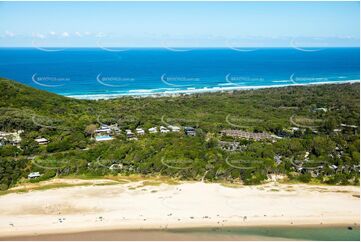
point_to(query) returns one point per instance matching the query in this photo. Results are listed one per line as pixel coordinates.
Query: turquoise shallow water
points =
(288, 233)
(319, 233)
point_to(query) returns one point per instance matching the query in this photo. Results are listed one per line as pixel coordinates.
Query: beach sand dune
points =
(131, 206)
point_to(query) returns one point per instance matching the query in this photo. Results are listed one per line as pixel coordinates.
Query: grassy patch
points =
(231, 185)
(42, 188)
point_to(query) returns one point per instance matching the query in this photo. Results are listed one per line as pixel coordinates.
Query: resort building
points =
(247, 135)
(174, 128)
(153, 130)
(163, 129)
(103, 130)
(129, 134)
(190, 131)
(108, 129)
(10, 137)
(34, 175)
(140, 131)
(42, 141)
(114, 128)
(295, 129)
(349, 126)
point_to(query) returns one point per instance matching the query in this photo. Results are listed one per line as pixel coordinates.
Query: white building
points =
(11, 137)
(130, 134)
(163, 129)
(42, 141)
(174, 128)
(140, 131)
(33, 175)
(103, 129)
(153, 130)
(114, 128)
(295, 128)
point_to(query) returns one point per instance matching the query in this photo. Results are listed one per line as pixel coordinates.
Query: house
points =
(42, 141)
(129, 134)
(140, 131)
(114, 128)
(173, 128)
(103, 130)
(295, 129)
(153, 130)
(34, 175)
(108, 129)
(190, 131)
(349, 126)
(103, 138)
(11, 137)
(163, 129)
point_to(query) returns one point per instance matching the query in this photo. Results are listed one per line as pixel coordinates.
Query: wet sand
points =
(136, 235)
(339, 232)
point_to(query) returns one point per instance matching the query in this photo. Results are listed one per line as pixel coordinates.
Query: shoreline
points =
(193, 91)
(133, 206)
(89, 232)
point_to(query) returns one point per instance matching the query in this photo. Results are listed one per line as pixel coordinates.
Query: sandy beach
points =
(97, 205)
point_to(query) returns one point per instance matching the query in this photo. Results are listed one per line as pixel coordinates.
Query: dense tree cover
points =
(70, 123)
(11, 170)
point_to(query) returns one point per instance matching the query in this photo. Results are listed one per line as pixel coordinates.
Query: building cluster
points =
(12, 138)
(153, 130)
(106, 132)
(315, 170)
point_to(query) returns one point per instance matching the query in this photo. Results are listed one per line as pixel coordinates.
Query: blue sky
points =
(179, 24)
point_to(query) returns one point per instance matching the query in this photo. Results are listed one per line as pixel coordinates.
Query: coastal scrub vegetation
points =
(316, 130)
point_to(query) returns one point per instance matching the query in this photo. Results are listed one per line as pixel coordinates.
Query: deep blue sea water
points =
(94, 73)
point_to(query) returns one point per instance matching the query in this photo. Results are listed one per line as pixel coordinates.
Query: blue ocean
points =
(92, 73)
